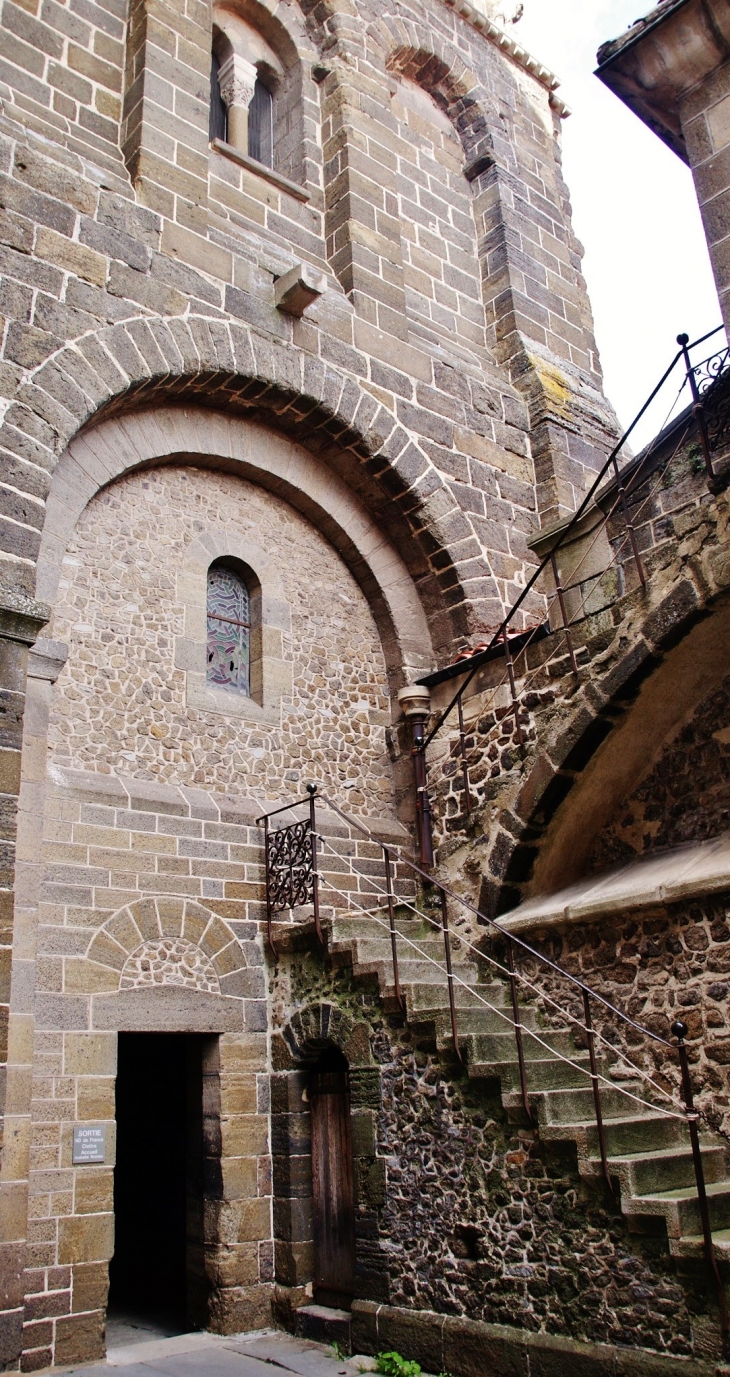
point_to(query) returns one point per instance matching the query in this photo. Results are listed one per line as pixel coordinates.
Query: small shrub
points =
(392, 1365)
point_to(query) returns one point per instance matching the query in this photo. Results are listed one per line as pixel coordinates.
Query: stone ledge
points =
(260, 170)
(21, 617)
(472, 1348)
(687, 873)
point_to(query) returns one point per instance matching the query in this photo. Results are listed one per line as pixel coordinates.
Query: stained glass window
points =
(229, 630)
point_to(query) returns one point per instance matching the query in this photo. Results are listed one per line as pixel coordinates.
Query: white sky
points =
(634, 207)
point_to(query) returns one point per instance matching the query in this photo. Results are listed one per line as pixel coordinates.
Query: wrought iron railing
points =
(678, 1104)
(710, 412)
(291, 866)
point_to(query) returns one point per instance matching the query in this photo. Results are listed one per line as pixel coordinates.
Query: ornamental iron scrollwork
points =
(712, 378)
(289, 865)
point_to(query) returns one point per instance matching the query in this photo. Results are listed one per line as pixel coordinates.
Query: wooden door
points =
(332, 1185)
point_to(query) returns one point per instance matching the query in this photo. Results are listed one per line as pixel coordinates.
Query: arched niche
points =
(666, 702)
(234, 444)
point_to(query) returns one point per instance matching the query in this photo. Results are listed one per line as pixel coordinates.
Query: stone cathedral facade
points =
(298, 386)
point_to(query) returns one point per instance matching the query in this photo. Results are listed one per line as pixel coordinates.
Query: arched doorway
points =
(333, 1193)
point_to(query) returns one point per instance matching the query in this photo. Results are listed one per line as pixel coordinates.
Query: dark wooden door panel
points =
(332, 1188)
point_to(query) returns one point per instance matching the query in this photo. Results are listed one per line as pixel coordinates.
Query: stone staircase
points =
(649, 1156)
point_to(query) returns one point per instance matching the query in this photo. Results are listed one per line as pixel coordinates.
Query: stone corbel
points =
(237, 79)
(46, 659)
(299, 288)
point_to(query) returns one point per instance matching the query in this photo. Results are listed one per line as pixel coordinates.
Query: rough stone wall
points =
(686, 797)
(457, 1211)
(655, 966)
(120, 701)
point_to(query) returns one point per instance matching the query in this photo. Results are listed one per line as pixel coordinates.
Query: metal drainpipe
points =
(416, 704)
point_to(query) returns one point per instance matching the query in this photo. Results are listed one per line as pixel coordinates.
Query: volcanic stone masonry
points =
(291, 291)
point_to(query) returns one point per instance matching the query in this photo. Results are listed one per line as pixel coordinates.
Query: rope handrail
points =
(494, 1008)
(502, 629)
(307, 880)
(614, 564)
(492, 922)
(524, 980)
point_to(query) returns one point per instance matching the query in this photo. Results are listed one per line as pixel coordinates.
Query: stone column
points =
(237, 78)
(415, 700)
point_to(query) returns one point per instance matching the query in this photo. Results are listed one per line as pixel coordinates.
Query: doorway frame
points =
(313, 1030)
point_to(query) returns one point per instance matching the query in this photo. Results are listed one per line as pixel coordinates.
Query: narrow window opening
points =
(229, 630)
(261, 125)
(218, 125)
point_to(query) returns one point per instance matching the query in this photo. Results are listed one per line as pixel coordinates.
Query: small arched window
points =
(218, 124)
(261, 125)
(229, 630)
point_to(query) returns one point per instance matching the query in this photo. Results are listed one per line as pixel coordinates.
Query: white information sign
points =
(89, 1143)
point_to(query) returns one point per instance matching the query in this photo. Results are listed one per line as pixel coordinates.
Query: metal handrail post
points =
(269, 934)
(464, 766)
(393, 934)
(449, 971)
(513, 691)
(312, 790)
(563, 613)
(518, 1029)
(679, 1030)
(698, 410)
(596, 1089)
(423, 802)
(415, 701)
(629, 523)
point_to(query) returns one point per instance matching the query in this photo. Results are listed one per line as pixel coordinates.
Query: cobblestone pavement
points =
(261, 1354)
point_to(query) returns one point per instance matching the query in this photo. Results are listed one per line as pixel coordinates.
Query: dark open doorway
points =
(157, 1276)
(333, 1195)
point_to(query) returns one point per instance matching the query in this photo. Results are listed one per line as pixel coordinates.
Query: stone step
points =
(501, 1046)
(647, 1172)
(374, 948)
(481, 1020)
(429, 1002)
(415, 973)
(578, 1105)
(637, 1133)
(693, 1246)
(347, 929)
(680, 1208)
(324, 1324)
(545, 1073)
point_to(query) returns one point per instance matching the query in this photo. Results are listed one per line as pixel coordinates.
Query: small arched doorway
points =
(333, 1192)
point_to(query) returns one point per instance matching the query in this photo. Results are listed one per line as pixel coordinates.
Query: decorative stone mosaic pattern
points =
(169, 963)
(119, 703)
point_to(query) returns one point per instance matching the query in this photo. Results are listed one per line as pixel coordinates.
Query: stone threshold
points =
(690, 872)
(473, 1348)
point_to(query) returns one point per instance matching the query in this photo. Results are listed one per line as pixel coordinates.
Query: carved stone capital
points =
(237, 78)
(415, 701)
